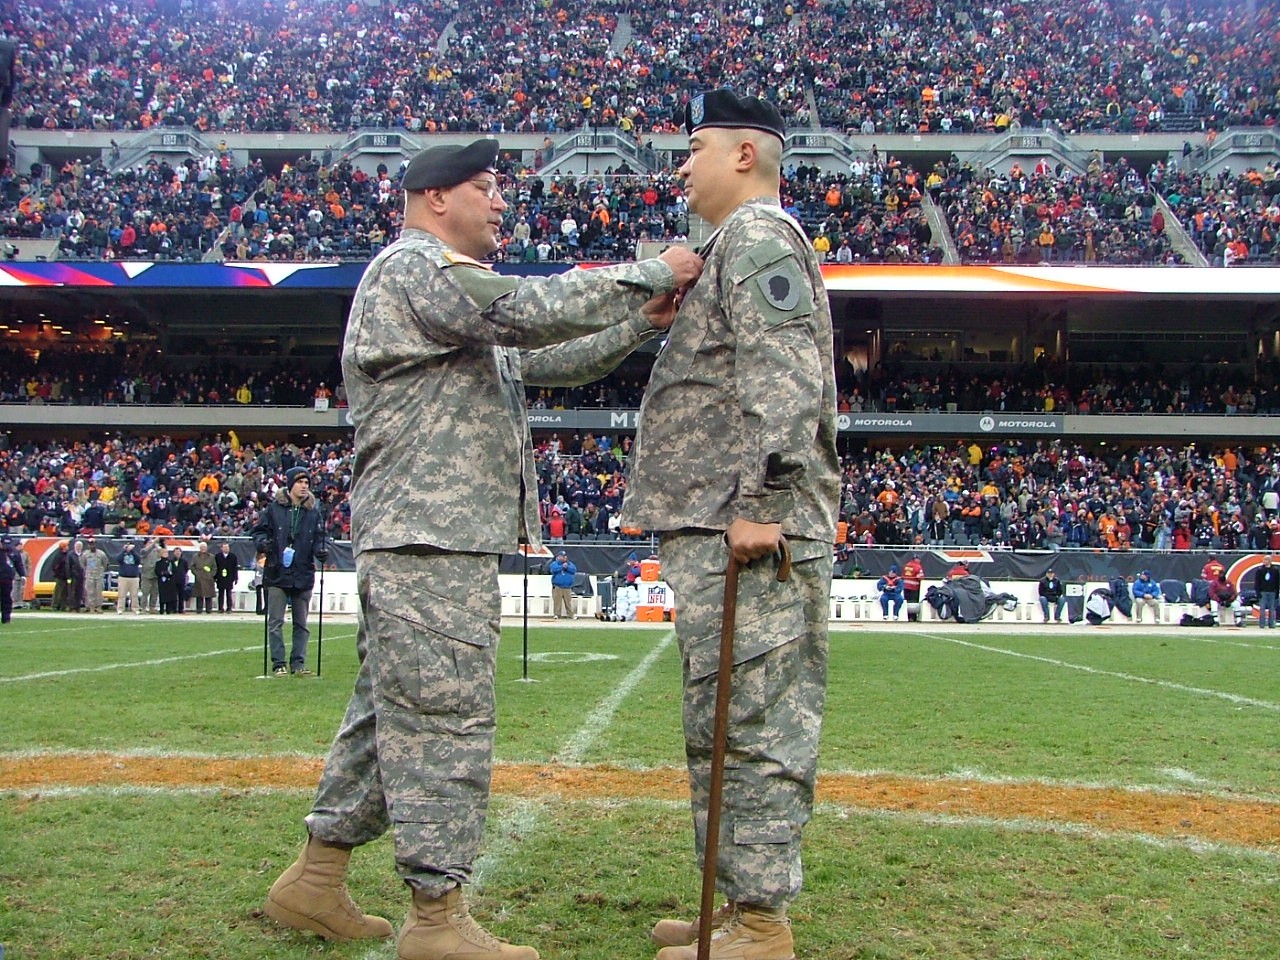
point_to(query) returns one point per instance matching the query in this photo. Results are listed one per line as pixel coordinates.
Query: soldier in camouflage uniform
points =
(736, 448)
(95, 563)
(437, 351)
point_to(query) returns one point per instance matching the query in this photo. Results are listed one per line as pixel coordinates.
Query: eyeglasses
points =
(490, 188)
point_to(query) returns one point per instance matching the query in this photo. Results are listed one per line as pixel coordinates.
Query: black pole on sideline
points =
(320, 626)
(266, 672)
(524, 552)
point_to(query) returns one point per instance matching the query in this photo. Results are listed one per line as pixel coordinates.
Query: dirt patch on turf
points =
(1171, 816)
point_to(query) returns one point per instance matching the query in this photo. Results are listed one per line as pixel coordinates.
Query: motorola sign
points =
(949, 424)
(902, 424)
(546, 420)
(584, 420)
(876, 423)
(1027, 424)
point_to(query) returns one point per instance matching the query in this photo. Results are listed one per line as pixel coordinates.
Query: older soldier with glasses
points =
(437, 351)
(736, 448)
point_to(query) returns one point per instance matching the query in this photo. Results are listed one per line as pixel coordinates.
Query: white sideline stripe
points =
(141, 663)
(24, 634)
(525, 817)
(125, 666)
(150, 753)
(1196, 638)
(1120, 675)
(1032, 825)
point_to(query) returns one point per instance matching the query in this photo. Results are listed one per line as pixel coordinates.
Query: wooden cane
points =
(719, 743)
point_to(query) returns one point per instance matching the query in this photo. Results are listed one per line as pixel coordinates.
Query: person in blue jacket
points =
(1146, 595)
(563, 572)
(891, 592)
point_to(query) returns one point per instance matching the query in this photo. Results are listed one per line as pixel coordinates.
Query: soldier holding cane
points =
(737, 448)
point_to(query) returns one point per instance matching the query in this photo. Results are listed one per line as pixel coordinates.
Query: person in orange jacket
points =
(912, 579)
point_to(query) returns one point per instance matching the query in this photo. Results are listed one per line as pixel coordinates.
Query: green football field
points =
(1110, 793)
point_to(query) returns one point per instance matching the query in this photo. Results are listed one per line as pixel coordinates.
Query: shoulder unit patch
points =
(780, 287)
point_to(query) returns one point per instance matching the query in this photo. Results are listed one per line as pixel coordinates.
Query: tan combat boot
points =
(681, 933)
(442, 928)
(750, 933)
(312, 895)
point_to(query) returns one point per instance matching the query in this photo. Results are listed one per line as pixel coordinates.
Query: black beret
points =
(448, 165)
(724, 108)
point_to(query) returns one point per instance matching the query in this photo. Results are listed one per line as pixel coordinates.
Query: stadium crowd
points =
(197, 208)
(1044, 494)
(1055, 495)
(211, 487)
(1125, 67)
(1230, 218)
(1116, 65)
(896, 386)
(1049, 214)
(1119, 65)
(873, 213)
(141, 374)
(313, 211)
(214, 486)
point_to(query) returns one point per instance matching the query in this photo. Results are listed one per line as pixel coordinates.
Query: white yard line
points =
(599, 719)
(1119, 675)
(524, 818)
(1185, 783)
(1033, 825)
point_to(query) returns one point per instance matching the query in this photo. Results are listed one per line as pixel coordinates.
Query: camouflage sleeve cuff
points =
(767, 508)
(644, 330)
(653, 275)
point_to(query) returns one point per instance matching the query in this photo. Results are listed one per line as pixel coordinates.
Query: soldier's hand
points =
(748, 540)
(661, 310)
(685, 264)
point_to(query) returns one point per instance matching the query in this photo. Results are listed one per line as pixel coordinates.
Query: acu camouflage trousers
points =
(415, 750)
(775, 711)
